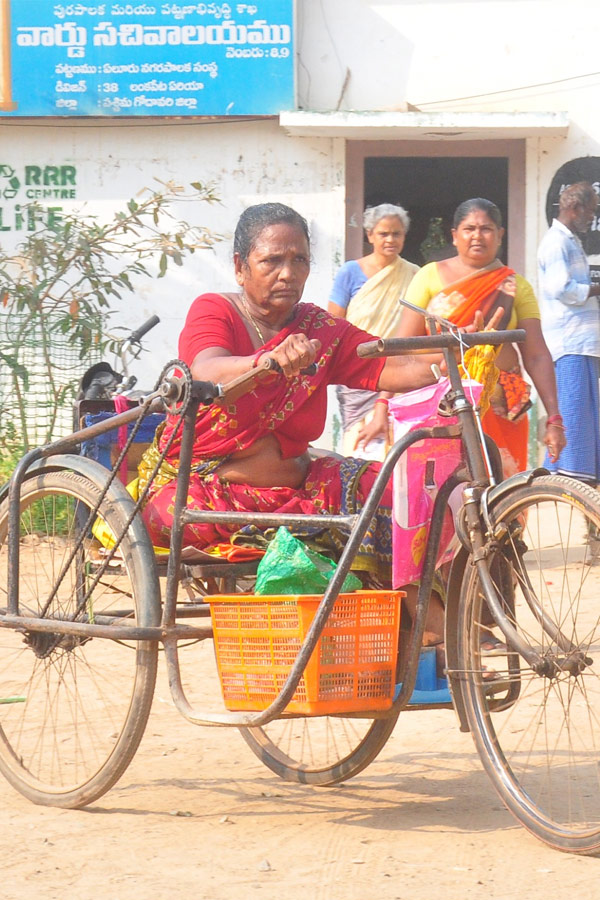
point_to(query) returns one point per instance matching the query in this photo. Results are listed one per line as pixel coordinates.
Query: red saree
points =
(294, 412)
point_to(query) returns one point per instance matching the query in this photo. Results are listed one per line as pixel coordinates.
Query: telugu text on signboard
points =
(146, 59)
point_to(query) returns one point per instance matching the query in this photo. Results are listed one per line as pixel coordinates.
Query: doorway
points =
(430, 189)
(429, 179)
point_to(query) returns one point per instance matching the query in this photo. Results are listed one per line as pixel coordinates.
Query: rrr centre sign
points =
(146, 59)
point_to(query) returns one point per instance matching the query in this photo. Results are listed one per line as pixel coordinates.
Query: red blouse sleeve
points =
(212, 322)
(350, 369)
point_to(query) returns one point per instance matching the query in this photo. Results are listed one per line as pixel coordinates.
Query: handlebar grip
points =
(273, 366)
(425, 343)
(369, 349)
(139, 333)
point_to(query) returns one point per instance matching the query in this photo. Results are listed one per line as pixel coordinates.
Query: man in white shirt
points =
(571, 327)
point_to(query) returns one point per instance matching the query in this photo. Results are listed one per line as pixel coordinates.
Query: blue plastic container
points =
(428, 687)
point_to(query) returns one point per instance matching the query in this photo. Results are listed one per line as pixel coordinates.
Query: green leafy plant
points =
(65, 278)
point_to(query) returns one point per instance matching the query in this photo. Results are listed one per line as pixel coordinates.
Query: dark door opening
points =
(430, 189)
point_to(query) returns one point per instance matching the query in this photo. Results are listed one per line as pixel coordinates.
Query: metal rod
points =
(468, 422)
(92, 431)
(101, 627)
(266, 366)
(267, 519)
(193, 610)
(183, 481)
(397, 346)
(480, 556)
(83, 629)
(355, 539)
(513, 639)
(215, 568)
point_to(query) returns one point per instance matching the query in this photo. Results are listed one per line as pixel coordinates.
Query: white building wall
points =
(508, 55)
(477, 54)
(248, 163)
(471, 56)
(504, 55)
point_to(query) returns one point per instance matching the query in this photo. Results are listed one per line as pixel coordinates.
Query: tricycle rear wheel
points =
(319, 750)
(73, 709)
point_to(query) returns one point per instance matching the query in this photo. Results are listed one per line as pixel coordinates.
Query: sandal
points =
(493, 681)
(490, 645)
(489, 675)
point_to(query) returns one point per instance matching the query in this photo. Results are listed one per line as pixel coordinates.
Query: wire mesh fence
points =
(39, 375)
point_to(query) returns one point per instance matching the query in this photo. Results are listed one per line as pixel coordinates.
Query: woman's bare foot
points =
(434, 624)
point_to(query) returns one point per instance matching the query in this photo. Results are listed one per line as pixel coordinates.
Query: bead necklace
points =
(252, 319)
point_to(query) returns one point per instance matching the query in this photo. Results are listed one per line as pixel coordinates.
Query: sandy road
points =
(196, 814)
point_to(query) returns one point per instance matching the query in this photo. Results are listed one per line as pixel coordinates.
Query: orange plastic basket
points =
(352, 668)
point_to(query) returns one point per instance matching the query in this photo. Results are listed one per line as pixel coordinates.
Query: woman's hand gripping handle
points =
(295, 355)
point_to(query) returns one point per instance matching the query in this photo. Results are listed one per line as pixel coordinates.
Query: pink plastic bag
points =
(418, 475)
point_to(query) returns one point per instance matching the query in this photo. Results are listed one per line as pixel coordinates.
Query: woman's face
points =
(477, 239)
(387, 237)
(275, 272)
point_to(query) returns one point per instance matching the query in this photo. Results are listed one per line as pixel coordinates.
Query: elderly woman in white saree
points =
(366, 292)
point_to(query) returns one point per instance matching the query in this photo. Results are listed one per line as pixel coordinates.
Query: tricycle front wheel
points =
(538, 733)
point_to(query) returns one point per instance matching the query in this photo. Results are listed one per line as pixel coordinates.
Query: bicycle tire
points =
(73, 711)
(538, 736)
(319, 750)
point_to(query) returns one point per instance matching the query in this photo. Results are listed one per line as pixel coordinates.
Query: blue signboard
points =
(146, 59)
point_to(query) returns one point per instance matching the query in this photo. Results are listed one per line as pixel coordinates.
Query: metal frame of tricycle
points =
(480, 495)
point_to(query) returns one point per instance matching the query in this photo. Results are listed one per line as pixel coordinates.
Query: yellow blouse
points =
(426, 284)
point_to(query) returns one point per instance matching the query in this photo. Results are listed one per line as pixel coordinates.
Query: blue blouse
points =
(349, 279)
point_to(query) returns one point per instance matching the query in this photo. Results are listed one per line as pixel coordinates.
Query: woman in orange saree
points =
(475, 279)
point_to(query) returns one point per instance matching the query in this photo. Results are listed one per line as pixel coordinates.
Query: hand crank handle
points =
(266, 366)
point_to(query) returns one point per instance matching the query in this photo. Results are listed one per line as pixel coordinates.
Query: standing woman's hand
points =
(377, 427)
(479, 324)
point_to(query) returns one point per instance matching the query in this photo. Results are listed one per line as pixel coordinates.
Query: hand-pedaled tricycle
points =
(315, 685)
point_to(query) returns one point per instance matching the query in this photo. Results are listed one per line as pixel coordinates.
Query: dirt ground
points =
(196, 814)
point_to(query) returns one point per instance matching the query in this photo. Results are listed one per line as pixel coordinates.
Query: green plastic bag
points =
(290, 567)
